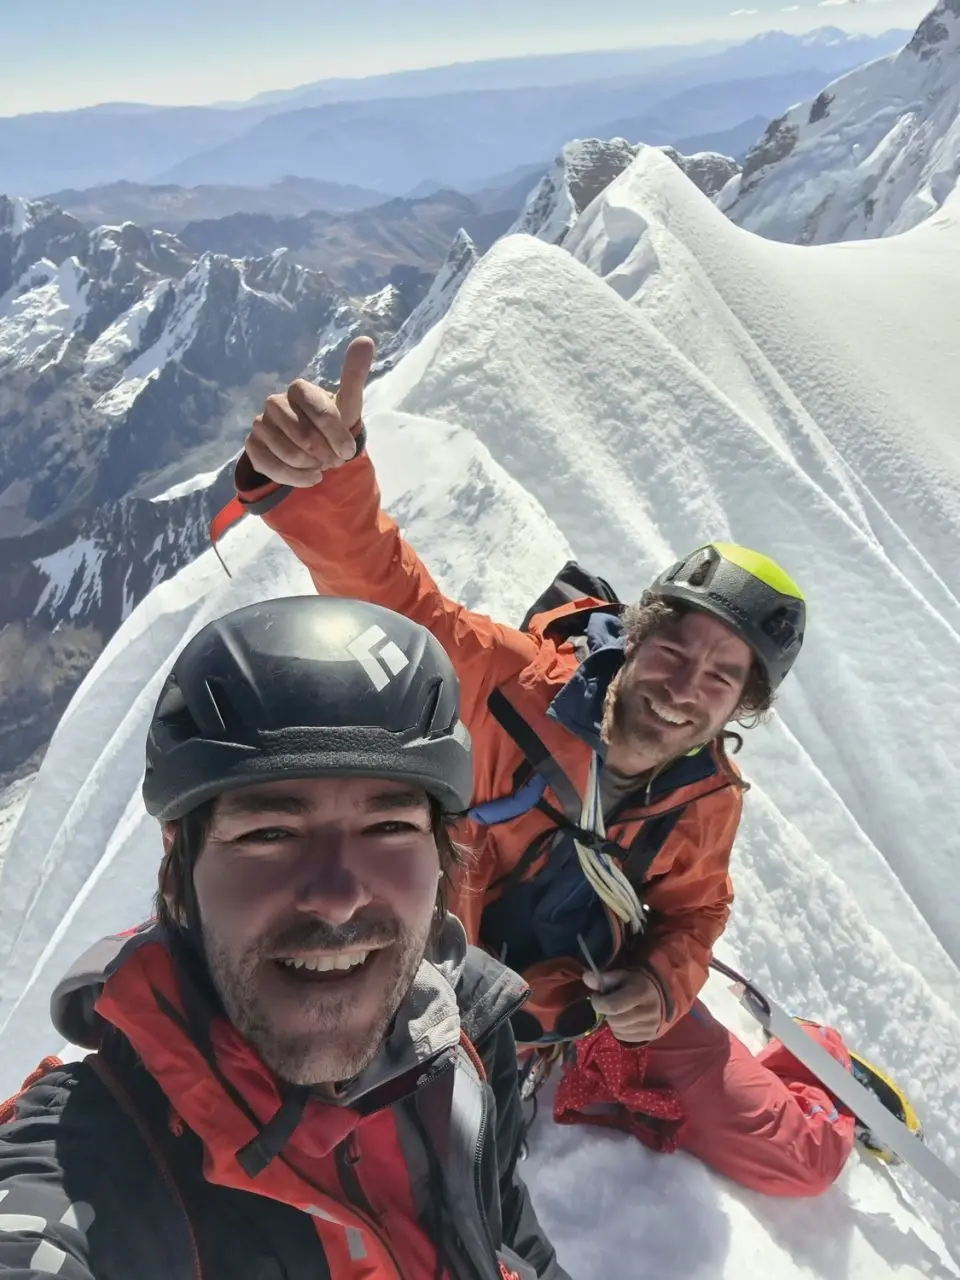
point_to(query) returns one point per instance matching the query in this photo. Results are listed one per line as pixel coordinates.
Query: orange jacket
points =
(353, 548)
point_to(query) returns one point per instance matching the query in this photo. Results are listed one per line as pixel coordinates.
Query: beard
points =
(323, 1031)
(629, 721)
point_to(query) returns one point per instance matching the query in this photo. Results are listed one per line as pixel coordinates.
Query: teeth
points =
(323, 964)
(665, 713)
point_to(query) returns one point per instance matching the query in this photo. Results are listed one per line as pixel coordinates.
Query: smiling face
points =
(675, 691)
(316, 899)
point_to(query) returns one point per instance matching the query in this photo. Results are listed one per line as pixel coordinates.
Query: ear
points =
(168, 830)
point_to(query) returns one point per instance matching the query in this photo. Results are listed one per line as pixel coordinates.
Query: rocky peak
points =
(580, 172)
(939, 30)
(461, 258)
(708, 170)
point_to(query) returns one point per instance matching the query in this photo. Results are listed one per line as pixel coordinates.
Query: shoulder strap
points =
(537, 754)
(650, 839)
(643, 850)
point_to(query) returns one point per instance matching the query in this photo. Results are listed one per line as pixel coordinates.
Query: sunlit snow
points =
(672, 379)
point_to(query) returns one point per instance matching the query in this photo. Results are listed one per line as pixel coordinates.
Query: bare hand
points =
(631, 1003)
(307, 431)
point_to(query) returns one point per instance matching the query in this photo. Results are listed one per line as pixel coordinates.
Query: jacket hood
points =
(427, 1023)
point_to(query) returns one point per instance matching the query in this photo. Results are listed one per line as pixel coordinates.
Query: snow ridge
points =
(669, 378)
(876, 153)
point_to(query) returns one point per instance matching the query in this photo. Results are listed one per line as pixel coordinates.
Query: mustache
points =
(319, 935)
(655, 692)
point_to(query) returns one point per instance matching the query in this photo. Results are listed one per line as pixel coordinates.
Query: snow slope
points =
(461, 258)
(874, 154)
(13, 801)
(41, 313)
(669, 378)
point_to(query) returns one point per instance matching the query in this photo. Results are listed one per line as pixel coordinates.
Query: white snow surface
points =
(125, 335)
(670, 379)
(22, 216)
(41, 311)
(74, 569)
(882, 157)
(13, 801)
(178, 333)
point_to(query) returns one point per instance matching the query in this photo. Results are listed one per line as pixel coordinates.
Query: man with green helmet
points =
(605, 805)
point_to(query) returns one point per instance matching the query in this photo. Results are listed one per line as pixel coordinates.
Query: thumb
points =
(353, 378)
(602, 982)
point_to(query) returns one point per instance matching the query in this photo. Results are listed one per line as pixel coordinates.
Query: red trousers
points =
(763, 1121)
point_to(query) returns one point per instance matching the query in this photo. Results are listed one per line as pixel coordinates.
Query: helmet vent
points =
(431, 705)
(173, 716)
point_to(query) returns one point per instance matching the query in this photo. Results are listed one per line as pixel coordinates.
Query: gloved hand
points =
(630, 1001)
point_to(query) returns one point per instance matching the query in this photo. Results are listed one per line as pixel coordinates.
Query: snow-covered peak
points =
(708, 170)
(939, 32)
(16, 215)
(678, 379)
(40, 314)
(461, 258)
(580, 172)
(586, 167)
(875, 153)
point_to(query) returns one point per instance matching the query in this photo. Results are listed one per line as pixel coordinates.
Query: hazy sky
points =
(60, 53)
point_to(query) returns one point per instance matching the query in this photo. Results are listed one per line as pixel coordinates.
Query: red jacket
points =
(353, 548)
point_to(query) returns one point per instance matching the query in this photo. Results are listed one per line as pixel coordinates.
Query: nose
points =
(327, 883)
(681, 682)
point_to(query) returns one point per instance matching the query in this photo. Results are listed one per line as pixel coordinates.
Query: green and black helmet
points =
(749, 592)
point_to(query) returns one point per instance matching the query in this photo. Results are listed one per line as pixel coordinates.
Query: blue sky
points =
(67, 54)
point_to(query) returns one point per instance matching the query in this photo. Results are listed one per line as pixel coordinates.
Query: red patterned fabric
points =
(605, 1086)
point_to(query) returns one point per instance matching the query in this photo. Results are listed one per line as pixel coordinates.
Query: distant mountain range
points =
(454, 126)
(871, 154)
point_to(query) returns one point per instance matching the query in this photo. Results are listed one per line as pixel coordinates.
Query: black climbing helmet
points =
(749, 592)
(306, 687)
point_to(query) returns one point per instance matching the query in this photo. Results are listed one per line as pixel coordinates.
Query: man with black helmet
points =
(605, 804)
(299, 1068)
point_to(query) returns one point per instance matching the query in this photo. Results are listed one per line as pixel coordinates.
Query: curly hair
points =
(654, 617)
(174, 881)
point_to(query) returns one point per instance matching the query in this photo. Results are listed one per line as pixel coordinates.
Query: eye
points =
(719, 678)
(266, 835)
(393, 827)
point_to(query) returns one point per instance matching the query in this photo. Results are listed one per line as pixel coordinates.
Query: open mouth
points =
(666, 715)
(325, 967)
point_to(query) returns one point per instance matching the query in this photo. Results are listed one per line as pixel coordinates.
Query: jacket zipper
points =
(356, 1197)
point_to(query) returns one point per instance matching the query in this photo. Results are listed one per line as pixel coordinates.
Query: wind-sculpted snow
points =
(670, 379)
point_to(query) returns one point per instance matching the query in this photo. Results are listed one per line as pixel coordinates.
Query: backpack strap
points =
(538, 757)
(648, 842)
(637, 858)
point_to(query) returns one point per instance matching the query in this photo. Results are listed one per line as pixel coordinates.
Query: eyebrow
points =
(735, 670)
(255, 806)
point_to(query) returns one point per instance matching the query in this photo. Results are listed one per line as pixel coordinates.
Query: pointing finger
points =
(353, 378)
